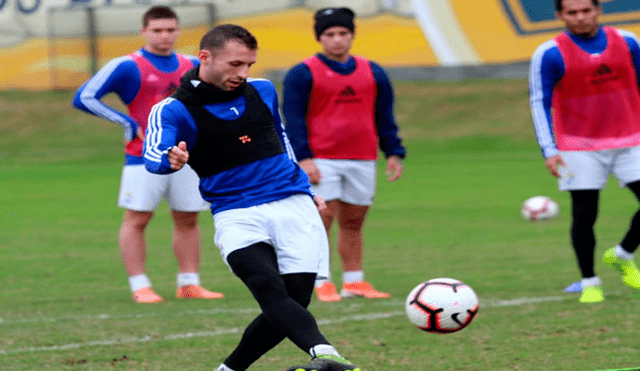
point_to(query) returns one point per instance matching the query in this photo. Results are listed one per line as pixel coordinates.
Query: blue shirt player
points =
(227, 127)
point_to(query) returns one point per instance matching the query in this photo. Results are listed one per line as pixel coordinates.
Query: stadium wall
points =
(54, 44)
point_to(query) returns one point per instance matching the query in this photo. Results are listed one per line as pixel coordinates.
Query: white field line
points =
(235, 330)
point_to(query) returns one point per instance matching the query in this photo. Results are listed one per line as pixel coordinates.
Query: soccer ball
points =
(539, 208)
(441, 305)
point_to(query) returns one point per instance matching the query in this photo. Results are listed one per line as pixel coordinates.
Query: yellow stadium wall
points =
(478, 32)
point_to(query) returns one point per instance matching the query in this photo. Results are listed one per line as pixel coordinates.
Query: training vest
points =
(596, 104)
(155, 85)
(341, 112)
(227, 144)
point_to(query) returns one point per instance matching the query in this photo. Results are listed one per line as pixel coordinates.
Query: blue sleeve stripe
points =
(154, 132)
(88, 95)
(540, 121)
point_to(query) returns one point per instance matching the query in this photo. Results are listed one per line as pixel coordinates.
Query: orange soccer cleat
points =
(146, 295)
(327, 292)
(196, 292)
(362, 288)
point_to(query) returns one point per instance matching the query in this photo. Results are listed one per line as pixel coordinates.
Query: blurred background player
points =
(337, 107)
(140, 80)
(589, 76)
(267, 227)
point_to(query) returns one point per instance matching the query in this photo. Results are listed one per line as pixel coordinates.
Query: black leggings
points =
(283, 300)
(584, 210)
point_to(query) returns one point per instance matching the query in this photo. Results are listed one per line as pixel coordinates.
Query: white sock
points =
(139, 281)
(353, 276)
(224, 367)
(623, 254)
(186, 279)
(322, 281)
(323, 349)
(591, 281)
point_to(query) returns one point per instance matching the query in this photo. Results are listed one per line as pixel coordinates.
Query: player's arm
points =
(120, 76)
(169, 124)
(390, 142)
(634, 48)
(546, 69)
(295, 99)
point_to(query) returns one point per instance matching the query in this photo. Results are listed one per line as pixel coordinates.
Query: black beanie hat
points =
(330, 17)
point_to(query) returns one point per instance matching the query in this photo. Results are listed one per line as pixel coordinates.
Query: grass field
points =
(472, 160)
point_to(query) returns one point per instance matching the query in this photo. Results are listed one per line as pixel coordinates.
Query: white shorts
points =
(591, 169)
(141, 190)
(292, 226)
(350, 181)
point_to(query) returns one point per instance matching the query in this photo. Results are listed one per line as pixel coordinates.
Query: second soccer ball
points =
(539, 208)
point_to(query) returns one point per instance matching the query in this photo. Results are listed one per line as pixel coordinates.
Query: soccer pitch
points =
(472, 160)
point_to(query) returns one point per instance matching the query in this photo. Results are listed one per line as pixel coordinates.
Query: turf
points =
(472, 160)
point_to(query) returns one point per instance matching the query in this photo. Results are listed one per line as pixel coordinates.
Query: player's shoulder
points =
(628, 35)
(169, 106)
(262, 85)
(124, 61)
(549, 45)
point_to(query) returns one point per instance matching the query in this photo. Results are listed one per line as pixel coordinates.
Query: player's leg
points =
(283, 300)
(324, 287)
(185, 202)
(330, 189)
(131, 240)
(357, 196)
(585, 174)
(584, 211)
(627, 169)
(140, 193)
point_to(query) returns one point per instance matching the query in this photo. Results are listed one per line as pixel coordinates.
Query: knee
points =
(184, 220)
(265, 288)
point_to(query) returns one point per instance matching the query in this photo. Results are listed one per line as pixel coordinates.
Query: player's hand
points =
(178, 156)
(140, 133)
(311, 169)
(394, 168)
(320, 204)
(553, 163)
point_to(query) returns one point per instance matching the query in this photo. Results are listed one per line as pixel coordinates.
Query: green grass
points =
(65, 305)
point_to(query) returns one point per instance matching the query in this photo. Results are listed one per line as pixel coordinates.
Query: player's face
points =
(580, 16)
(226, 68)
(336, 42)
(161, 35)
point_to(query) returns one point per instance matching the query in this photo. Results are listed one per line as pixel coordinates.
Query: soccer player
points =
(227, 127)
(589, 76)
(140, 80)
(337, 107)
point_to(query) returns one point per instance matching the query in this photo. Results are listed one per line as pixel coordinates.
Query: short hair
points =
(158, 12)
(559, 4)
(218, 36)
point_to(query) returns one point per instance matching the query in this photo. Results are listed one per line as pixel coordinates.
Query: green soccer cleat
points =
(591, 294)
(326, 362)
(627, 268)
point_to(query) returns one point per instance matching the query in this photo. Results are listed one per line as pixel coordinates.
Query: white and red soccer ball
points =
(539, 208)
(441, 305)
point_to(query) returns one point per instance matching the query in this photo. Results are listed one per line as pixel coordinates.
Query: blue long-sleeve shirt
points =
(269, 179)
(297, 88)
(547, 68)
(122, 77)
